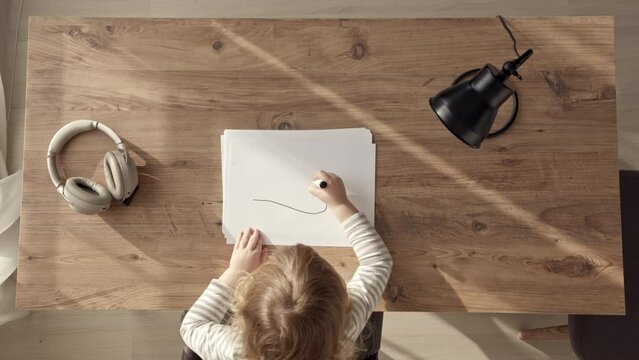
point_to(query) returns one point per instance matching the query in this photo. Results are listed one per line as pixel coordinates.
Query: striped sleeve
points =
(375, 263)
(202, 329)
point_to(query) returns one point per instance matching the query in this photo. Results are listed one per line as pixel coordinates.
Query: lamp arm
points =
(510, 67)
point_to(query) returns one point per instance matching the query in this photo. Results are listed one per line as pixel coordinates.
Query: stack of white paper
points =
(267, 172)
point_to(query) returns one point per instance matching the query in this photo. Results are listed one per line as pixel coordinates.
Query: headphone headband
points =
(65, 134)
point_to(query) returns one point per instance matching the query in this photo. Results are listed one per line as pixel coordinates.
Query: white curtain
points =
(10, 197)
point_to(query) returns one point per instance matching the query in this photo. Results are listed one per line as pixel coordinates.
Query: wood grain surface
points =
(528, 223)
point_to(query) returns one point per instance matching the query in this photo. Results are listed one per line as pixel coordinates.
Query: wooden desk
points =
(528, 223)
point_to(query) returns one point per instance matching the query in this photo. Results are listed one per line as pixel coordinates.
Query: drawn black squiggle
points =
(292, 208)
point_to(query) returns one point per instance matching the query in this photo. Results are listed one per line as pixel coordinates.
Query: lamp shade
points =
(468, 109)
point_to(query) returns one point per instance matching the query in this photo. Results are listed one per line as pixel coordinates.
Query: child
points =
(293, 305)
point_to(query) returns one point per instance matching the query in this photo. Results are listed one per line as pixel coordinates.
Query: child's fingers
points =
(317, 175)
(255, 237)
(332, 176)
(323, 175)
(246, 237)
(314, 190)
(239, 240)
(258, 244)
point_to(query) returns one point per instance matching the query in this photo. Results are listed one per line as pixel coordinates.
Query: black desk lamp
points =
(469, 108)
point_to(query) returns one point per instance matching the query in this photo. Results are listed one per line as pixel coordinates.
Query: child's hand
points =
(334, 195)
(248, 255)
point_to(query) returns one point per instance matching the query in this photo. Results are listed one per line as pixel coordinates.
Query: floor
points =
(153, 335)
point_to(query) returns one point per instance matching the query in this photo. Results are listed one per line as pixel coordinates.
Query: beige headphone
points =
(87, 196)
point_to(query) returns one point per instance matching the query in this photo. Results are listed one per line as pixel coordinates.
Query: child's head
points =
(294, 306)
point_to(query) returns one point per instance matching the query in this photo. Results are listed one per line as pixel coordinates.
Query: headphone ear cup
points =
(113, 174)
(130, 178)
(86, 196)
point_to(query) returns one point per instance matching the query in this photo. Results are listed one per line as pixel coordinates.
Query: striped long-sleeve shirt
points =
(204, 329)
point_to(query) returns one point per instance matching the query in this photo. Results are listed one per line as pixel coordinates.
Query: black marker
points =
(322, 184)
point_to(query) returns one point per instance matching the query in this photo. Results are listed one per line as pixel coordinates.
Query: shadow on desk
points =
(167, 221)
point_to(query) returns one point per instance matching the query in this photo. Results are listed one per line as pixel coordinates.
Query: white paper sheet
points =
(325, 138)
(277, 166)
(352, 135)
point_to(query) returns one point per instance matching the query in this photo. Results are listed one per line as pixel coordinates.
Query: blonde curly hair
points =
(294, 306)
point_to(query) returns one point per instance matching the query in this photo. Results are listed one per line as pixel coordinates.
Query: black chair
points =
(604, 337)
(371, 339)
